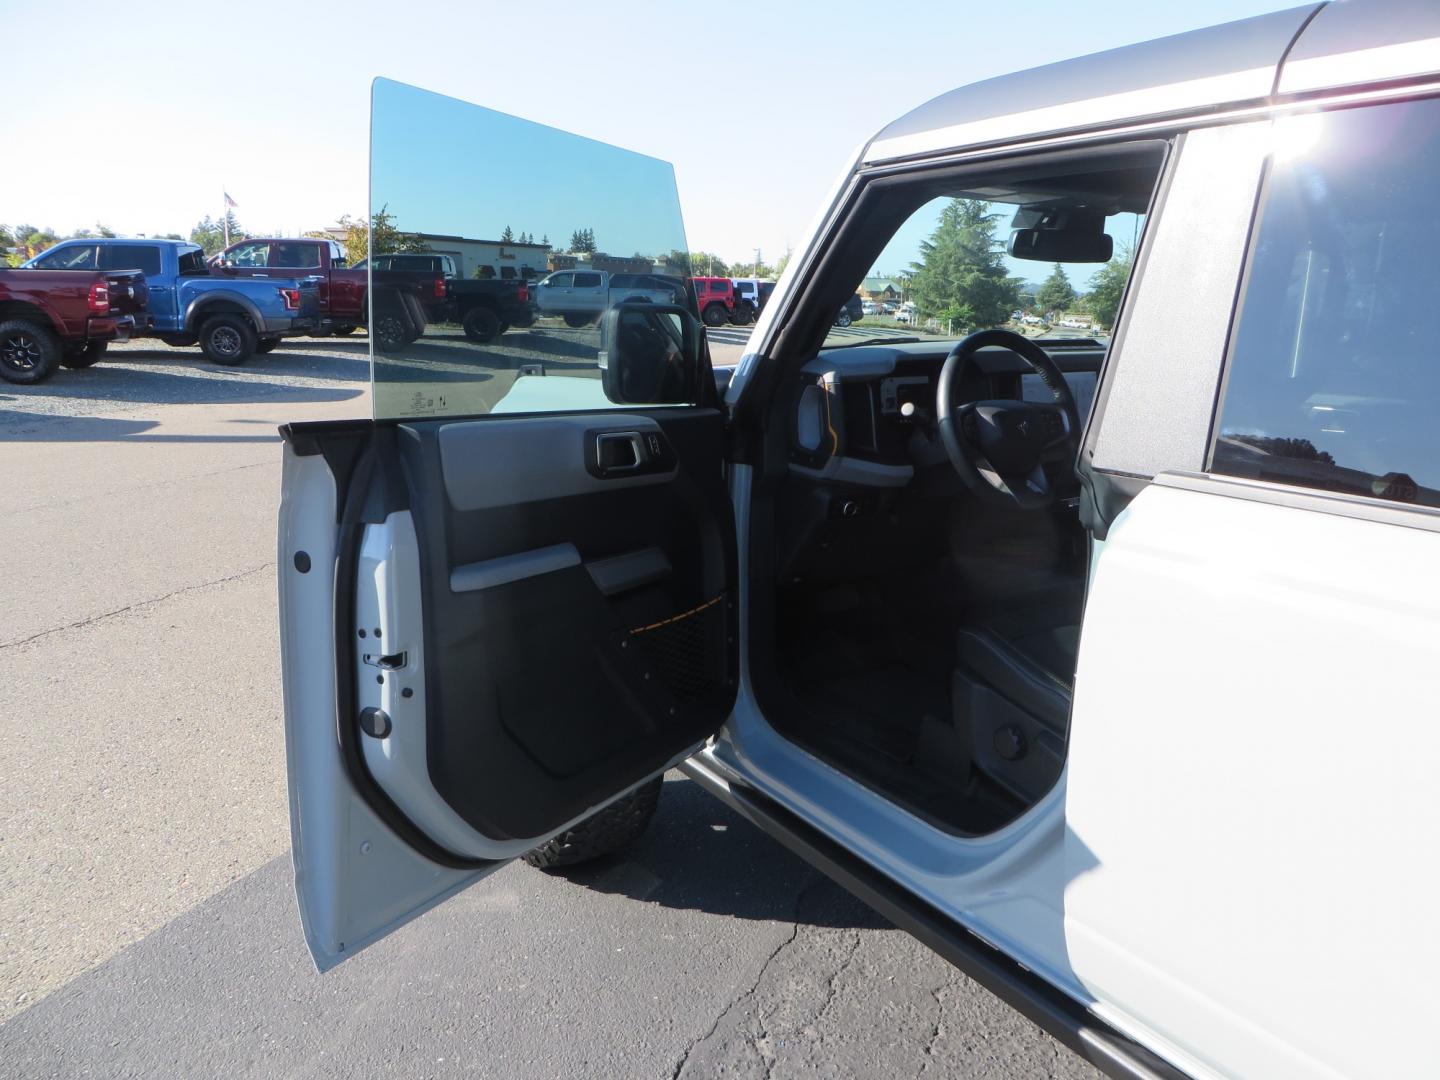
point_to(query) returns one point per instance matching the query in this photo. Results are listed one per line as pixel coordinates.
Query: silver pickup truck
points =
(581, 296)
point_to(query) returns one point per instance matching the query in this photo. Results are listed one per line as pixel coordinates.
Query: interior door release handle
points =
(619, 451)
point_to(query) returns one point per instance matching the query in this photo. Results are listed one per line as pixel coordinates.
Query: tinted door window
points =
(559, 281)
(76, 257)
(144, 257)
(298, 256)
(250, 255)
(193, 262)
(1334, 374)
(587, 281)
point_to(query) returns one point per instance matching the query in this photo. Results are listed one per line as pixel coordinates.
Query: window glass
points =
(624, 281)
(1334, 375)
(947, 270)
(298, 256)
(250, 255)
(446, 168)
(69, 257)
(192, 261)
(144, 257)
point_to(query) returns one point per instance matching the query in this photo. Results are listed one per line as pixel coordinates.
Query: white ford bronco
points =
(1099, 662)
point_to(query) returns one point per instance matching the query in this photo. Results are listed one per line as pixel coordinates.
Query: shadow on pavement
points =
(700, 855)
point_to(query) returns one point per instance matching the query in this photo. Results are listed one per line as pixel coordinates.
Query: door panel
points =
(542, 685)
(1252, 784)
(524, 634)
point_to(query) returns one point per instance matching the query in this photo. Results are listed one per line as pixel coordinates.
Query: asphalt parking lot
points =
(147, 921)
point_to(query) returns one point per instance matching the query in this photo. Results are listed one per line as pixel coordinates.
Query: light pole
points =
(757, 264)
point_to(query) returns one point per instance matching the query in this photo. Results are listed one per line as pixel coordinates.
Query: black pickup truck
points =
(483, 307)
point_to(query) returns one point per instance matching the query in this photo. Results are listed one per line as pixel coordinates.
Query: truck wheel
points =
(714, 315)
(523, 320)
(344, 329)
(227, 339)
(577, 322)
(29, 352)
(481, 324)
(267, 344)
(391, 332)
(618, 825)
(843, 319)
(743, 315)
(82, 356)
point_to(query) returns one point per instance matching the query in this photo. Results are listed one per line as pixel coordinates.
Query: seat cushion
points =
(1029, 660)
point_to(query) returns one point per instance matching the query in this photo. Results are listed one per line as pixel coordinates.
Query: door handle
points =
(619, 451)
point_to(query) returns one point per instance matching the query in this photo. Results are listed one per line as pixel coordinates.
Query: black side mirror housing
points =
(653, 354)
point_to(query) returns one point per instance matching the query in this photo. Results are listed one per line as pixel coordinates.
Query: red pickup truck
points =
(54, 317)
(405, 300)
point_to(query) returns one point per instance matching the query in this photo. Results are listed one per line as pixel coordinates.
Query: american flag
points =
(229, 201)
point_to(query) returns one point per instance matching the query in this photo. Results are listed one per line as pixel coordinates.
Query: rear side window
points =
(144, 257)
(71, 257)
(193, 262)
(625, 281)
(298, 256)
(1334, 373)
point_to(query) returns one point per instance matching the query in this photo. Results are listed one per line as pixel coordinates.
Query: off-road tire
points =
(843, 319)
(419, 321)
(714, 315)
(267, 344)
(744, 314)
(82, 356)
(391, 332)
(481, 325)
(227, 339)
(578, 322)
(29, 352)
(618, 825)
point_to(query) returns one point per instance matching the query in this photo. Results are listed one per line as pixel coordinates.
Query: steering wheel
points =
(1000, 447)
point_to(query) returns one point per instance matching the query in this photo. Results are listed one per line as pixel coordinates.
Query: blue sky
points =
(140, 123)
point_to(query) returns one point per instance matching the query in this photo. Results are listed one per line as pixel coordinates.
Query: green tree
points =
(210, 234)
(582, 240)
(171, 236)
(1055, 293)
(700, 263)
(545, 239)
(1106, 288)
(507, 237)
(743, 270)
(388, 238)
(961, 274)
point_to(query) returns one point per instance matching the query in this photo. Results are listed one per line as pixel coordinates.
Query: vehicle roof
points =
(124, 240)
(1340, 44)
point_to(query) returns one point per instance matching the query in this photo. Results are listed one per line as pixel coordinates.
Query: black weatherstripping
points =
(1109, 1050)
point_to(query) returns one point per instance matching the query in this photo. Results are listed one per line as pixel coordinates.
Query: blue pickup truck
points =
(229, 318)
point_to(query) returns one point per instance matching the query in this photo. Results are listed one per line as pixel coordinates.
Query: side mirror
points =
(650, 354)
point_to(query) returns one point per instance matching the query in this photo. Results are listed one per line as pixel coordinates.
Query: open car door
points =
(507, 599)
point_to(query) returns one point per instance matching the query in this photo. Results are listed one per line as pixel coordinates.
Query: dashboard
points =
(866, 414)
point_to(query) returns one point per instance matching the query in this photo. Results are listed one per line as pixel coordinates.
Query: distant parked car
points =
(716, 299)
(230, 319)
(405, 300)
(54, 317)
(853, 311)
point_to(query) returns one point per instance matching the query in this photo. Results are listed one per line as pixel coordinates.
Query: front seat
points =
(1028, 658)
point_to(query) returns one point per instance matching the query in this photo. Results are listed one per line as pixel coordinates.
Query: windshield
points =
(507, 200)
(946, 273)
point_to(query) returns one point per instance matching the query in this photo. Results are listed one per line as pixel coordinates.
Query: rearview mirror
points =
(650, 354)
(1065, 234)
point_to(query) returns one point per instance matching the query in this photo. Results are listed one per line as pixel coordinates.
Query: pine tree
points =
(1056, 294)
(507, 237)
(961, 275)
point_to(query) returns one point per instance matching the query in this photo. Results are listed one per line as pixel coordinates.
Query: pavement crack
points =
(137, 606)
(832, 988)
(754, 988)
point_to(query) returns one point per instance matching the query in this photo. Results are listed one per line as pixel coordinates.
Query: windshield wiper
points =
(898, 340)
